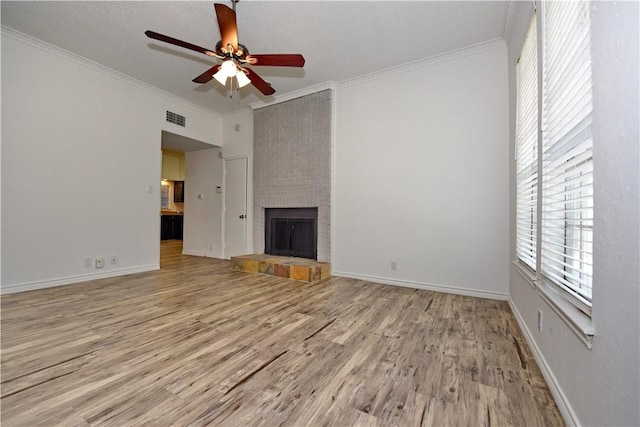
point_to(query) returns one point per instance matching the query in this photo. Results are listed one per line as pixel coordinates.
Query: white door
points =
(235, 207)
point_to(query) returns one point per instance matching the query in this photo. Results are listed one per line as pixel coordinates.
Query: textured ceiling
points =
(340, 40)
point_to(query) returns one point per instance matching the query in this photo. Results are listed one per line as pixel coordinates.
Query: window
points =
(164, 196)
(567, 160)
(562, 151)
(527, 149)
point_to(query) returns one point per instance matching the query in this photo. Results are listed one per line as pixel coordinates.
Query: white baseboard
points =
(202, 253)
(425, 286)
(566, 410)
(42, 284)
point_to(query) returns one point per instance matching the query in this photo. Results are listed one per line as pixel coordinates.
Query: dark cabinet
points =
(171, 227)
(178, 191)
(166, 227)
(178, 221)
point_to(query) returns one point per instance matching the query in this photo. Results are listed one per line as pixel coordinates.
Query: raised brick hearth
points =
(306, 270)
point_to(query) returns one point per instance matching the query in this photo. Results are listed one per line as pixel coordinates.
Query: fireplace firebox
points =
(291, 232)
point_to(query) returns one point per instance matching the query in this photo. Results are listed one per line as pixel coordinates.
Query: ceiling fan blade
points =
(186, 45)
(228, 27)
(277, 59)
(207, 75)
(260, 84)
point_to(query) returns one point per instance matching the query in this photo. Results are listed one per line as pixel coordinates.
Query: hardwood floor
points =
(196, 343)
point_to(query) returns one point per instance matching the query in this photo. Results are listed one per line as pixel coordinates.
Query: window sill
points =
(578, 321)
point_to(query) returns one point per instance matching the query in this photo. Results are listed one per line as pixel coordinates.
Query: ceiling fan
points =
(234, 56)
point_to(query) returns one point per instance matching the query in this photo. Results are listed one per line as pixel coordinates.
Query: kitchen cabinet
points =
(178, 225)
(171, 226)
(166, 227)
(178, 191)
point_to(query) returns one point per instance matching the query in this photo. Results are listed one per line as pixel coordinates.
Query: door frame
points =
(224, 202)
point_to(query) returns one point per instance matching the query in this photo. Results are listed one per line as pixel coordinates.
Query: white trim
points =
(223, 208)
(365, 78)
(330, 85)
(235, 113)
(425, 286)
(207, 254)
(578, 321)
(42, 284)
(236, 157)
(566, 410)
(425, 62)
(333, 173)
(293, 95)
(81, 60)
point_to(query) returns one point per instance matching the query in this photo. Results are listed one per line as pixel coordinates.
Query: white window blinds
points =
(527, 149)
(567, 162)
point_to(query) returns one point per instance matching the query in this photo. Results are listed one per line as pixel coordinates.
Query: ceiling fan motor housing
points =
(240, 54)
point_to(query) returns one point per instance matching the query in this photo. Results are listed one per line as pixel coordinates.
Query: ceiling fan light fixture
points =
(229, 68)
(242, 78)
(221, 77)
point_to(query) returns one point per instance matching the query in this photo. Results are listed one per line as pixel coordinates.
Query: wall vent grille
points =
(176, 119)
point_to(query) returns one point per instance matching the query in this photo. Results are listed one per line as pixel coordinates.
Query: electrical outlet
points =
(88, 262)
(539, 320)
(99, 262)
(394, 265)
(213, 246)
(114, 259)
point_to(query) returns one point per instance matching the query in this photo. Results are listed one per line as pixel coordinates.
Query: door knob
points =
(242, 216)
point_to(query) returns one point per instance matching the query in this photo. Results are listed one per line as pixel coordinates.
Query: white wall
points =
(600, 386)
(80, 151)
(421, 175)
(203, 205)
(239, 143)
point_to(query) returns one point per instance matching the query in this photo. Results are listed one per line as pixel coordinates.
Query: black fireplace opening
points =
(291, 232)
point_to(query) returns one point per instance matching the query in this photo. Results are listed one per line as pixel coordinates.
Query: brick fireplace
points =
(292, 163)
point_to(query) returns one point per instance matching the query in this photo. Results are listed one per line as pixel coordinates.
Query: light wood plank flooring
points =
(196, 343)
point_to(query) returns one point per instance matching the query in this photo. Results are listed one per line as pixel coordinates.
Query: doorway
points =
(181, 214)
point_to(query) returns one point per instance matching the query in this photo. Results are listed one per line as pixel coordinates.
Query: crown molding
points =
(95, 66)
(509, 14)
(421, 63)
(236, 113)
(425, 62)
(293, 95)
(330, 85)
